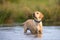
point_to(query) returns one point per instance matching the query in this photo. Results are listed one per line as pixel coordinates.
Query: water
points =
(16, 33)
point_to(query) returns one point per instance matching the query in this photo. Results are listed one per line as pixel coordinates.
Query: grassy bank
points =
(18, 11)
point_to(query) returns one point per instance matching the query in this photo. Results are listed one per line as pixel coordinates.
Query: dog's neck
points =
(37, 20)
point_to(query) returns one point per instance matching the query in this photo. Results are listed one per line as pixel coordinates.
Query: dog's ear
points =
(33, 15)
(41, 15)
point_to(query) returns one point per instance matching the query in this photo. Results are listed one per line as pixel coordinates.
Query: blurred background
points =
(18, 11)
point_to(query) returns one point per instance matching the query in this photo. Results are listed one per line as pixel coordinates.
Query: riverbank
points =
(20, 24)
(11, 25)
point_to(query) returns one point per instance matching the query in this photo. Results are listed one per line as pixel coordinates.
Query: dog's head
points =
(38, 15)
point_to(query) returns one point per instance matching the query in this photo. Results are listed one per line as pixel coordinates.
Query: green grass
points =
(21, 10)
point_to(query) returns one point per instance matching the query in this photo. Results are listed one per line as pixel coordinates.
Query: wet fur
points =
(35, 28)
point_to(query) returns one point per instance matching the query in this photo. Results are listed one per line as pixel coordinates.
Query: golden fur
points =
(34, 27)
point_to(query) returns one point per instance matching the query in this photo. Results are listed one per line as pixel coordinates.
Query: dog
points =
(35, 24)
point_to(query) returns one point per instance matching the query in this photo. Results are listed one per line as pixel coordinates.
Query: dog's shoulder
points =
(28, 21)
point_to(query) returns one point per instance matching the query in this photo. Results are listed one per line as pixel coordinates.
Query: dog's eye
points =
(37, 13)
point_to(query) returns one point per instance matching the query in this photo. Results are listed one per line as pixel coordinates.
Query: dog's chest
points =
(37, 24)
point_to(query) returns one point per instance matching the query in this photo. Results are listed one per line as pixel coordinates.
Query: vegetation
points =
(18, 11)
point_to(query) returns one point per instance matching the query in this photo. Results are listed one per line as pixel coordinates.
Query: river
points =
(17, 33)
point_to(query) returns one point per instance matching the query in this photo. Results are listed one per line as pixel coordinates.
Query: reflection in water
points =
(16, 33)
(35, 35)
(39, 35)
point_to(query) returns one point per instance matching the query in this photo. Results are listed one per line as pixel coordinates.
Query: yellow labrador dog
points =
(34, 25)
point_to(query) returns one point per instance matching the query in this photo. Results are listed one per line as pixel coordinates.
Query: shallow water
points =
(16, 33)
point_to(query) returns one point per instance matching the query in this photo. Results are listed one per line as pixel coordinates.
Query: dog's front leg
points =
(41, 30)
(41, 27)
